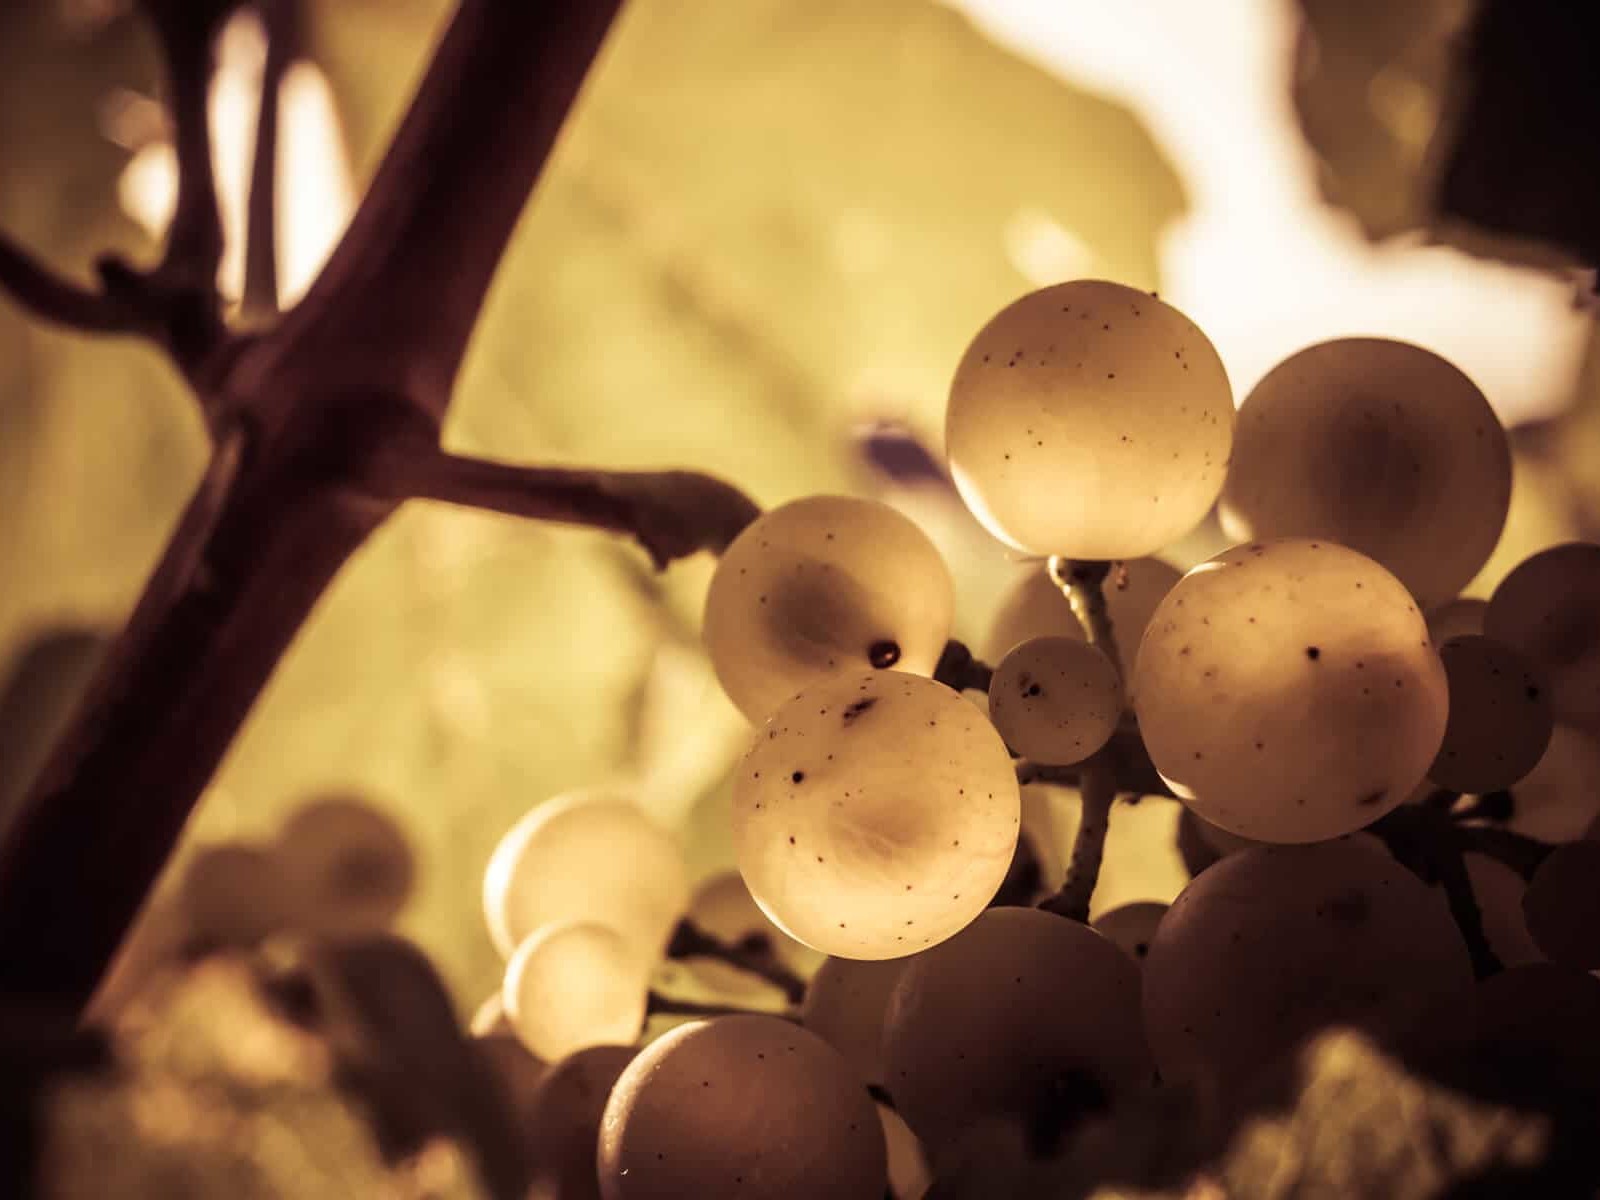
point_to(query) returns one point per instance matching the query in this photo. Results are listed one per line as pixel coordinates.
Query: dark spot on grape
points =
(798, 777)
(1372, 798)
(1533, 692)
(1140, 949)
(1313, 653)
(1351, 908)
(856, 708)
(883, 655)
(791, 839)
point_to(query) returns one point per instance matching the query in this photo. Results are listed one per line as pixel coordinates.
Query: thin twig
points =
(958, 669)
(690, 941)
(259, 301)
(1029, 771)
(50, 298)
(1452, 873)
(1099, 791)
(668, 1006)
(1083, 584)
(1522, 854)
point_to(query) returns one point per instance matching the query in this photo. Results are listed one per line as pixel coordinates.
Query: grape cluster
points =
(1373, 765)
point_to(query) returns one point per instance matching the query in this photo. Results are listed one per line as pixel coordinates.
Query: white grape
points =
(575, 984)
(1015, 1011)
(586, 856)
(1549, 608)
(1381, 446)
(820, 586)
(562, 1126)
(1131, 927)
(748, 1106)
(1089, 420)
(1271, 944)
(1499, 723)
(844, 1006)
(875, 815)
(1055, 700)
(1036, 607)
(1288, 691)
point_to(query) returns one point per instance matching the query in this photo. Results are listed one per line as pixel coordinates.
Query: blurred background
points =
(767, 235)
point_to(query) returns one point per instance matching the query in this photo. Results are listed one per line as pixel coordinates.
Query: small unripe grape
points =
(1036, 607)
(1288, 691)
(1562, 905)
(1055, 700)
(844, 1006)
(1132, 927)
(823, 586)
(1269, 945)
(1017, 1011)
(1381, 446)
(575, 984)
(1499, 724)
(1549, 608)
(1089, 420)
(875, 815)
(749, 1106)
(586, 856)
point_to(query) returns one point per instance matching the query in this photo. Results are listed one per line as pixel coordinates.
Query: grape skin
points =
(563, 1121)
(575, 984)
(1270, 944)
(1055, 700)
(991, 1022)
(1556, 800)
(820, 586)
(1549, 608)
(1500, 722)
(1036, 607)
(844, 1005)
(1562, 905)
(748, 1106)
(1131, 927)
(1381, 446)
(875, 815)
(586, 856)
(1288, 691)
(1089, 420)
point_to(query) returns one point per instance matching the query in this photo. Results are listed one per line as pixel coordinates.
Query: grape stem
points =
(1099, 789)
(690, 941)
(658, 1005)
(958, 669)
(1083, 584)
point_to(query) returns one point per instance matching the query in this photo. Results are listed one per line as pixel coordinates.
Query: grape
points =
(518, 1072)
(909, 1176)
(844, 1006)
(489, 1018)
(348, 867)
(575, 984)
(1499, 891)
(1456, 618)
(1381, 446)
(1499, 723)
(1089, 420)
(1021, 1010)
(1223, 842)
(819, 587)
(1271, 944)
(233, 894)
(585, 856)
(1131, 927)
(1055, 700)
(1288, 692)
(1557, 799)
(748, 1106)
(563, 1121)
(875, 815)
(1036, 607)
(1562, 905)
(1541, 1013)
(1549, 608)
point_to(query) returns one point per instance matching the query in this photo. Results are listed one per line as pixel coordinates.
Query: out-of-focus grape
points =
(1288, 691)
(1500, 721)
(575, 984)
(1055, 700)
(740, 1106)
(1556, 800)
(909, 1176)
(518, 1072)
(844, 1006)
(586, 856)
(489, 1018)
(1461, 617)
(563, 1121)
(1036, 607)
(1381, 446)
(1089, 420)
(234, 894)
(1562, 905)
(819, 587)
(348, 867)
(1132, 927)
(1549, 608)
(1019, 1013)
(1541, 1012)
(1499, 891)
(1271, 944)
(875, 815)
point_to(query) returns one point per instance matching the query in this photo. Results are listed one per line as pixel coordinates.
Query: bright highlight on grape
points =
(572, 985)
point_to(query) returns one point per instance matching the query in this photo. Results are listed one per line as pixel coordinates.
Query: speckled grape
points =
(1549, 609)
(1499, 724)
(1055, 700)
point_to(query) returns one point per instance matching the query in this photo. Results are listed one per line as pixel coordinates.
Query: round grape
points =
(1036, 607)
(1288, 691)
(1549, 608)
(1381, 446)
(1055, 700)
(1020, 1012)
(349, 867)
(1269, 945)
(575, 984)
(1089, 420)
(844, 1006)
(1562, 905)
(1499, 723)
(1542, 1014)
(233, 894)
(821, 586)
(1131, 927)
(563, 1121)
(1460, 617)
(586, 856)
(748, 1106)
(875, 815)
